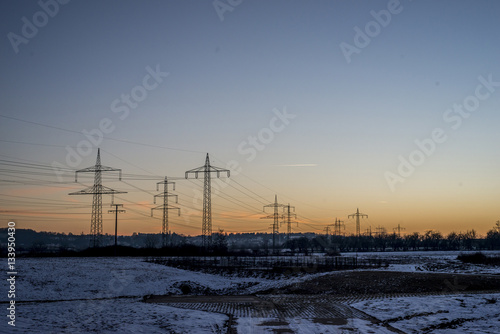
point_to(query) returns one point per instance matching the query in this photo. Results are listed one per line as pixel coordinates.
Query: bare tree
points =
(151, 241)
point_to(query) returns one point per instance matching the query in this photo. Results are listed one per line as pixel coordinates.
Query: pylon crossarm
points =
(99, 168)
(274, 206)
(167, 195)
(362, 215)
(195, 171)
(87, 191)
(100, 190)
(106, 190)
(211, 169)
(165, 184)
(168, 207)
(92, 169)
(220, 170)
(109, 169)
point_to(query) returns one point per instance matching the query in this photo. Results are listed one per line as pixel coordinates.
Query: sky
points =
(391, 107)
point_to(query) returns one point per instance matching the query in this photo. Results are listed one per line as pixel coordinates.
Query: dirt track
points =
(326, 300)
(324, 310)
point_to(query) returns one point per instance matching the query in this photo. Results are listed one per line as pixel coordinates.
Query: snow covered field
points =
(85, 295)
(464, 313)
(104, 295)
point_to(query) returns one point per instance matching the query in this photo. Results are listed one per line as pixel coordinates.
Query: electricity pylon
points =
(288, 219)
(275, 216)
(337, 226)
(497, 226)
(206, 225)
(327, 230)
(165, 207)
(357, 215)
(97, 190)
(380, 231)
(399, 228)
(115, 211)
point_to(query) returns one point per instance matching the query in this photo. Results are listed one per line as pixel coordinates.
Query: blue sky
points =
(352, 119)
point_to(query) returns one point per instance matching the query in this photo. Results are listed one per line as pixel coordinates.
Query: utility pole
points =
(358, 215)
(115, 211)
(288, 221)
(165, 207)
(337, 226)
(97, 190)
(275, 216)
(206, 225)
(399, 228)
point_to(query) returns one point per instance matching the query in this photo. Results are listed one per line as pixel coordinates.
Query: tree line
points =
(427, 241)
(32, 242)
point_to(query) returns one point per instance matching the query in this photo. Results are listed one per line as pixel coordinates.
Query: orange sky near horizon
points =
(457, 213)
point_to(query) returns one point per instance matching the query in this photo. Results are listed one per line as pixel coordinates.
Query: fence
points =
(268, 263)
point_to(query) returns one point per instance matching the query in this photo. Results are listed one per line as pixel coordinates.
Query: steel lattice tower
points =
(165, 207)
(327, 230)
(399, 228)
(207, 170)
(357, 215)
(337, 226)
(275, 216)
(289, 222)
(97, 190)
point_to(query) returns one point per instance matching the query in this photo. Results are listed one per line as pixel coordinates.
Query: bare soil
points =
(389, 282)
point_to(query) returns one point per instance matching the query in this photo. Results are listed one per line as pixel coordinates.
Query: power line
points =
(21, 170)
(34, 144)
(106, 137)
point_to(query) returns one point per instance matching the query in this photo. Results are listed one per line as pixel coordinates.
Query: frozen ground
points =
(73, 278)
(125, 316)
(104, 295)
(88, 294)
